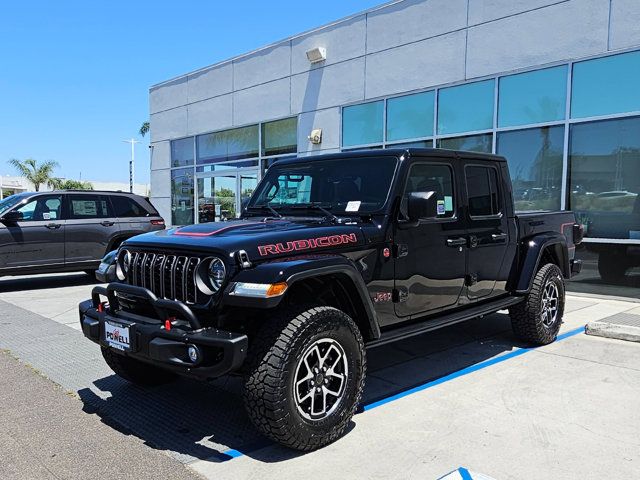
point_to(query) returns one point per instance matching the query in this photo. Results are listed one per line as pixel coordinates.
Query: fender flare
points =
(298, 271)
(532, 250)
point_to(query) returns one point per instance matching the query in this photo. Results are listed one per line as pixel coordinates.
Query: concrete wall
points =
(398, 47)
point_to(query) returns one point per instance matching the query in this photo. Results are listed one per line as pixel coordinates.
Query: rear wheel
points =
(306, 372)
(537, 319)
(136, 371)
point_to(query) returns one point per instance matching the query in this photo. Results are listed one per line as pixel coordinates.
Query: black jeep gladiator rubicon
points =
(333, 255)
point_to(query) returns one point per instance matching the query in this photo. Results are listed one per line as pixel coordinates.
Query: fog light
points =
(194, 354)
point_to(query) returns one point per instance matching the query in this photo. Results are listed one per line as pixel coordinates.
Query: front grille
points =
(167, 276)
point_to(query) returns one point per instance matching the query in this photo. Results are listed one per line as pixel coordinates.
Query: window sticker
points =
(46, 216)
(441, 210)
(448, 203)
(353, 206)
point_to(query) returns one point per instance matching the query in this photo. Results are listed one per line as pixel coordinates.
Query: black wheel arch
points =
(334, 278)
(536, 251)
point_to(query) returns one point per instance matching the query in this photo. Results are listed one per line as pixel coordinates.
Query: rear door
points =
(90, 227)
(487, 227)
(430, 256)
(38, 239)
(135, 215)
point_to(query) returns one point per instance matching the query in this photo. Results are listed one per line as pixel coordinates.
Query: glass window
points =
(182, 152)
(410, 116)
(482, 191)
(341, 185)
(228, 145)
(433, 178)
(606, 85)
(42, 209)
(124, 207)
(88, 206)
(280, 137)
(418, 144)
(533, 97)
(362, 124)
(217, 167)
(535, 165)
(11, 201)
(604, 162)
(217, 198)
(182, 196)
(466, 108)
(471, 143)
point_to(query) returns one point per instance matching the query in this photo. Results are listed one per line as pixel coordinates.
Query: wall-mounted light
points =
(318, 54)
(316, 136)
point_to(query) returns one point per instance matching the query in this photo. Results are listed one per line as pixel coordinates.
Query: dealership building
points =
(553, 85)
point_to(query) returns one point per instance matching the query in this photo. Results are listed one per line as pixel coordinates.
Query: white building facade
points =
(552, 85)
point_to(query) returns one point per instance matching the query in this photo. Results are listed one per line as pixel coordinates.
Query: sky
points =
(75, 76)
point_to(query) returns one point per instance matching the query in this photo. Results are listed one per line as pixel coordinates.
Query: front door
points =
(221, 196)
(487, 229)
(430, 256)
(37, 239)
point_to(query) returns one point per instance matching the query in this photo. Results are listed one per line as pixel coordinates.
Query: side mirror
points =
(12, 216)
(421, 205)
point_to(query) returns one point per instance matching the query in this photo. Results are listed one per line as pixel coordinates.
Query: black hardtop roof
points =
(396, 152)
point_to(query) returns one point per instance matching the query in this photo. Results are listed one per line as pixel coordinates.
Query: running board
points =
(435, 322)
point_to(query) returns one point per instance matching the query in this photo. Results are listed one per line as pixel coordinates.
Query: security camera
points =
(316, 136)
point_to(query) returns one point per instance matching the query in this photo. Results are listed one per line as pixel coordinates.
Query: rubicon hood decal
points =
(307, 244)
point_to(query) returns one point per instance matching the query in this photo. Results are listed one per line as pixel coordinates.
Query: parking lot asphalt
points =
(465, 397)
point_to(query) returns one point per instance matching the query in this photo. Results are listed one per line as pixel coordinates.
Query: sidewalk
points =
(46, 435)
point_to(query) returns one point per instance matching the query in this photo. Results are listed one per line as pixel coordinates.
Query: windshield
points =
(353, 185)
(10, 202)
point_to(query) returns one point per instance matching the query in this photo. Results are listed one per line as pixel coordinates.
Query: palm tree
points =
(62, 184)
(144, 129)
(37, 174)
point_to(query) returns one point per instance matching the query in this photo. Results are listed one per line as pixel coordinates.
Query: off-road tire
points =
(271, 365)
(135, 371)
(526, 316)
(612, 266)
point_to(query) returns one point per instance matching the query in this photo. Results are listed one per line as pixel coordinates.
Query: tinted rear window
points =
(130, 207)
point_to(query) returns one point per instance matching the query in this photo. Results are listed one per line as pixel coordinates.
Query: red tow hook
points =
(167, 323)
(102, 306)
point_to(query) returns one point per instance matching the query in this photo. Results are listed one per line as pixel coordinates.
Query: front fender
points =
(296, 269)
(531, 253)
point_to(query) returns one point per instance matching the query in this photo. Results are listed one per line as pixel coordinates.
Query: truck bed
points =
(532, 223)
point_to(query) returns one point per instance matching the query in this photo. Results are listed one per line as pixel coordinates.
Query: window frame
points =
(500, 194)
(100, 198)
(450, 164)
(37, 198)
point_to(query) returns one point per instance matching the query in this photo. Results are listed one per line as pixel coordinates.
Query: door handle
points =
(498, 237)
(106, 223)
(456, 242)
(53, 226)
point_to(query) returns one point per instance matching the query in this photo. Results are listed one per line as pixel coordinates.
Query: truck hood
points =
(262, 240)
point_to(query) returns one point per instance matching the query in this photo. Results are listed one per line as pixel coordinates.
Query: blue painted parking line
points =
(232, 453)
(464, 474)
(465, 371)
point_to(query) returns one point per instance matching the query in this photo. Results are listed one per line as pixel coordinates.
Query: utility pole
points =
(133, 142)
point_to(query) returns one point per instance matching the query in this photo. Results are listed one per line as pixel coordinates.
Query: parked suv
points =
(333, 254)
(60, 231)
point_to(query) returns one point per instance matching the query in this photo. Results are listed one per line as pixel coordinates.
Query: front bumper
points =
(220, 352)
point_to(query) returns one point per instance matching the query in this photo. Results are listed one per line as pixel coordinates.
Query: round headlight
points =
(217, 273)
(123, 264)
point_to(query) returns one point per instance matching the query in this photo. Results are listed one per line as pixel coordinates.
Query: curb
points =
(613, 330)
